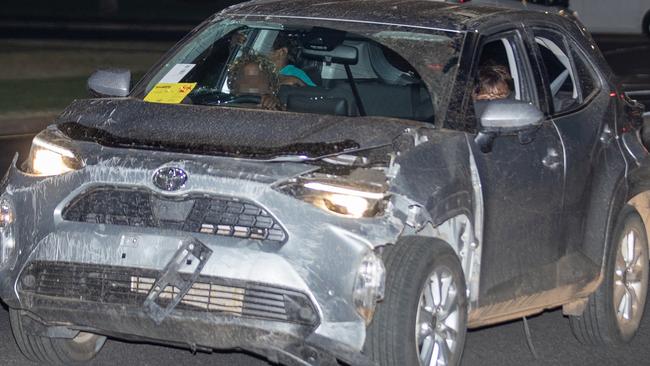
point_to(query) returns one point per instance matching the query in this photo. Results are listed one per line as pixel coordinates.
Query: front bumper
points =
(289, 298)
(279, 342)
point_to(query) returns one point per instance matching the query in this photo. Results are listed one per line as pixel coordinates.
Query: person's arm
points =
(271, 102)
(291, 81)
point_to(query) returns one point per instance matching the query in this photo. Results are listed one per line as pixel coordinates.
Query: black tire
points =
(54, 351)
(646, 24)
(391, 337)
(600, 324)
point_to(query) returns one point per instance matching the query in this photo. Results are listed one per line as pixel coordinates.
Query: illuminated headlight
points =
(7, 239)
(353, 201)
(46, 159)
(369, 286)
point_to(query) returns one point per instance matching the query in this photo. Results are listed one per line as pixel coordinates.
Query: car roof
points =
(419, 13)
(515, 4)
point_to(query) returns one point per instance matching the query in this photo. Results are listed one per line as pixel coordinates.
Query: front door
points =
(522, 183)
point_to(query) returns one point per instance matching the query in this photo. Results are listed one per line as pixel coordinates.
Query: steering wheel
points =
(244, 99)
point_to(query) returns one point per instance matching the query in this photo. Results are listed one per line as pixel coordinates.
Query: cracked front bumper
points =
(288, 297)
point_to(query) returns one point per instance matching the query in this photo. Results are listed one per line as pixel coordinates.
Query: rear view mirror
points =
(345, 55)
(110, 83)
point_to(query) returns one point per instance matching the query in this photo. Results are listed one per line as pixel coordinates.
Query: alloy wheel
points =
(630, 284)
(438, 320)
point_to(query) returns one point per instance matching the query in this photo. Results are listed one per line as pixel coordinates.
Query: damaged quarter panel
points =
(435, 174)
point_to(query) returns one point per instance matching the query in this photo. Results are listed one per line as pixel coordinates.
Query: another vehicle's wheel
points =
(423, 317)
(55, 351)
(614, 311)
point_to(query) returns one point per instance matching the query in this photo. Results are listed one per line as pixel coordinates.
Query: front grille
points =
(130, 286)
(224, 216)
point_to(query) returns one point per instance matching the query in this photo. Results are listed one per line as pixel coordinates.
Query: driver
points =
(254, 74)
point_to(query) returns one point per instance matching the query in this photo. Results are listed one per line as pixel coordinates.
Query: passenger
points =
(494, 82)
(284, 55)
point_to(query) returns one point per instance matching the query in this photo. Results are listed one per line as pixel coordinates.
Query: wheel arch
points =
(639, 198)
(609, 196)
(646, 24)
(458, 233)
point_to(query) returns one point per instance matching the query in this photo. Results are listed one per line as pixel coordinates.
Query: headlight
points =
(46, 159)
(7, 239)
(352, 200)
(369, 286)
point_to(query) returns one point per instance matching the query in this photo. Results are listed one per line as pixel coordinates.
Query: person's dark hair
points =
(283, 40)
(494, 82)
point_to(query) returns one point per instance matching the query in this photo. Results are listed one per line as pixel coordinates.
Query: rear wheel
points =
(422, 319)
(55, 351)
(614, 311)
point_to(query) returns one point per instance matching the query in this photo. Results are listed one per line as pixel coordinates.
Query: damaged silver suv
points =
(338, 182)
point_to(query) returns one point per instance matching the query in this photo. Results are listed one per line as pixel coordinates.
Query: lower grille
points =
(130, 286)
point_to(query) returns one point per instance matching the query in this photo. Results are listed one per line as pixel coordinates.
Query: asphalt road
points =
(497, 345)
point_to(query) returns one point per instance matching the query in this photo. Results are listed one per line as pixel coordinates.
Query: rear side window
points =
(571, 81)
(560, 74)
(587, 77)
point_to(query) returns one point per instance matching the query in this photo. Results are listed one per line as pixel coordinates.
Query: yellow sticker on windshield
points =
(170, 93)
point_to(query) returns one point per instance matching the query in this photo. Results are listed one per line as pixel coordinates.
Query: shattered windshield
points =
(389, 71)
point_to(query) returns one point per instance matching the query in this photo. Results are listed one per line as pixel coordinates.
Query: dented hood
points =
(237, 132)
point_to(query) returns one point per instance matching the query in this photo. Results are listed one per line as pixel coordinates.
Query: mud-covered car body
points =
(99, 248)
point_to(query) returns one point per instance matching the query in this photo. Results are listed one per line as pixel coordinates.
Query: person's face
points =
(279, 57)
(252, 80)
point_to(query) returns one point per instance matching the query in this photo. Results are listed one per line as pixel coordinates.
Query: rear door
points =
(583, 110)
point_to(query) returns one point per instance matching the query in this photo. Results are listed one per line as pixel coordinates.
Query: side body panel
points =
(592, 189)
(595, 163)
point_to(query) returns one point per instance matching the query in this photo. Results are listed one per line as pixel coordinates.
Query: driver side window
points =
(502, 73)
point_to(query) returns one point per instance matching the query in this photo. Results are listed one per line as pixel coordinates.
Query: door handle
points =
(552, 160)
(607, 134)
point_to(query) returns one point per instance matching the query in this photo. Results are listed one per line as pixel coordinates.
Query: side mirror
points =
(506, 117)
(110, 83)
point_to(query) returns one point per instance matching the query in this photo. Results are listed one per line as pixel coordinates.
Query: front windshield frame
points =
(437, 70)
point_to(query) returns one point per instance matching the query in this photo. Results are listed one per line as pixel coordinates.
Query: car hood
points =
(237, 132)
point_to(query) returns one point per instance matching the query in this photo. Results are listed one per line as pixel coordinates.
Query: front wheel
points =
(423, 317)
(614, 311)
(54, 351)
